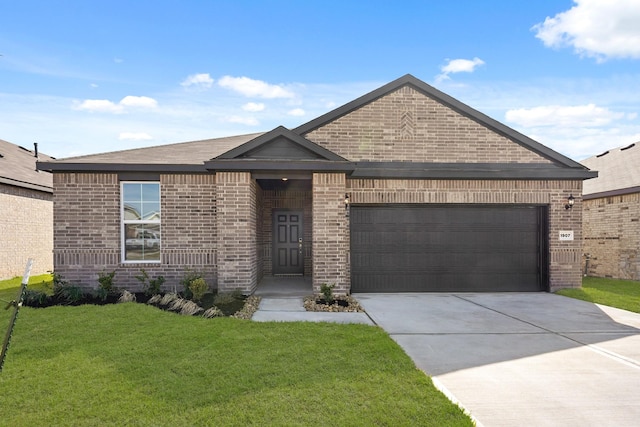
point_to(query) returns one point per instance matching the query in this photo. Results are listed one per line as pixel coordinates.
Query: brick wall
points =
(330, 233)
(612, 236)
(26, 231)
(564, 256)
(286, 199)
(406, 125)
(87, 229)
(237, 222)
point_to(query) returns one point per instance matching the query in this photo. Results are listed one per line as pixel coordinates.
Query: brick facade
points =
(237, 225)
(406, 125)
(612, 236)
(87, 231)
(26, 231)
(330, 233)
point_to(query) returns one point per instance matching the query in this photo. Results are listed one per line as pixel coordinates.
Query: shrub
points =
(327, 292)
(33, 298)
(150, 286)
(224, 298)
(189, 276)
(198, 288)
(105, 287)
(68, 294)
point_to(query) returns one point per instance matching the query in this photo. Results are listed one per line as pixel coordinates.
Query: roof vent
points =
(1, 156)
(628, 146)
(603, 154)
(25, 149)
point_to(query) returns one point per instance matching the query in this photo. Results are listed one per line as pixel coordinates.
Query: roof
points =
(618, 172)
(251, 152)
(183, 153)
(18, 168)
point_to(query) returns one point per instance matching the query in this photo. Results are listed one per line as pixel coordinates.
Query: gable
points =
(281, 148)
(407, 125)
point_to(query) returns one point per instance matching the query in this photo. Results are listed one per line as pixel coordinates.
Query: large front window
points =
(141, 221)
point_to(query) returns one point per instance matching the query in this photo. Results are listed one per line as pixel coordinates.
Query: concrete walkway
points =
(521, 359)
(281, 309)
(282, 301)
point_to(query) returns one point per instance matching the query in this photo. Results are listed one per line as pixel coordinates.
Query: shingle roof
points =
(618, 170)
(183, 153)
(18, 168)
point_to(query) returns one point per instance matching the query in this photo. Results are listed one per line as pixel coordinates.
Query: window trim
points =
(124, 223)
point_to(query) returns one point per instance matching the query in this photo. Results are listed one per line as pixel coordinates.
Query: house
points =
(612, 214)
(402, 189)
(26, 211)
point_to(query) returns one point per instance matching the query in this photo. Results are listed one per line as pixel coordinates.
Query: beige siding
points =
(26, 231)
(612, 236)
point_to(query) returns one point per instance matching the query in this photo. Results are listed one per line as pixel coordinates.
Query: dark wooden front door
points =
(288, 256)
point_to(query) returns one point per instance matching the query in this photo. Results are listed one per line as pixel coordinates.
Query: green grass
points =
(131, 364)
(624, 294)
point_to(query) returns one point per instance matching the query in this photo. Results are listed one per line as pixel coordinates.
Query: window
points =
(140, 221)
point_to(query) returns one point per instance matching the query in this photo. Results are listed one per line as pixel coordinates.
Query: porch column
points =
(237, 231)
(330, 233)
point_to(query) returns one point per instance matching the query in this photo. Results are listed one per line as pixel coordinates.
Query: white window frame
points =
(124, 222)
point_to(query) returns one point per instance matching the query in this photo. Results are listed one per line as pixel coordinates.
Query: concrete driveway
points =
(514, 359)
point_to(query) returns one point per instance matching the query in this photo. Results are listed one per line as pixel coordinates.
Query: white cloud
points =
(559, 115)
(118, 60)
(134, 136)
(138, 101)
(253, 106)
(296, 112)
(249, 121)
(595, 28)
(254, 88)
(106, 106)
(202, 80)
(99, 106)
(459, 66)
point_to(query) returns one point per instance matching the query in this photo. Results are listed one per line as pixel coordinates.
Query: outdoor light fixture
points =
(570, 202)
(346, 201)
(284, 178)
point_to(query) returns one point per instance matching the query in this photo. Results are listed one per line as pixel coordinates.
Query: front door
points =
(288, 256)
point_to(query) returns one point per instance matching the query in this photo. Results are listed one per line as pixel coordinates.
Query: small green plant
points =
(224, 298)
(64, 292)
(150, 286)
(327, 291)
(198, 288)
(33, 298)
(105, 287)
(189, 276)
(68, 294)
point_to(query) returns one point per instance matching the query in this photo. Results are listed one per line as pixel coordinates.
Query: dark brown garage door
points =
(448, 248)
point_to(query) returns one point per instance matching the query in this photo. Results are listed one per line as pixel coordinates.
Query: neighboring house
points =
(26, 212)
(612, 214)
(402, 189)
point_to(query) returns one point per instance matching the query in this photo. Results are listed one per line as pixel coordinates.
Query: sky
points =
(81, 77)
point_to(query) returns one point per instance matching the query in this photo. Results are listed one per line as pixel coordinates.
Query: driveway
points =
(514, 359)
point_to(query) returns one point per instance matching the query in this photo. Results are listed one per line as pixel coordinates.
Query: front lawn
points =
(132, 364)
(624, 294)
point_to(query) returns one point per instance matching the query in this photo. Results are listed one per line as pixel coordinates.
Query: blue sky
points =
(82, 77)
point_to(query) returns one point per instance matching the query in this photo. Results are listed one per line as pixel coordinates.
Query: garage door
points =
(448, 248)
